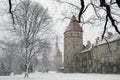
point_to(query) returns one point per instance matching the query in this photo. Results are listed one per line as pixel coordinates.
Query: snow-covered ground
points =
(62, 76)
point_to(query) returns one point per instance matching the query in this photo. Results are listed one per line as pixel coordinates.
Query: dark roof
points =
(74, 25)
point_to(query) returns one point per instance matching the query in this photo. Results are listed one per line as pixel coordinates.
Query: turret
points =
(73, 42)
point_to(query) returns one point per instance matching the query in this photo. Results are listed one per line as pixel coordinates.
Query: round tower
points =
(73, 43)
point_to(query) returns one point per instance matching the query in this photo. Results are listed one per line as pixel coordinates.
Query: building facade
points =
(103, 56)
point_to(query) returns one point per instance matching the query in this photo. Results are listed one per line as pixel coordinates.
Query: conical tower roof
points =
(74, 25)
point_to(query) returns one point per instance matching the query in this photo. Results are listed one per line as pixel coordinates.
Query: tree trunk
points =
(27, 71)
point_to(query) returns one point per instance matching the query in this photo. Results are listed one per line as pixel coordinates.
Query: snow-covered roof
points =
(61, 68)
(86, 50)
(113, 38)
(74, 25)
(100, 41)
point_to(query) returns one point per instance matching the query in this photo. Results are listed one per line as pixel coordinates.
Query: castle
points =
(103, 56)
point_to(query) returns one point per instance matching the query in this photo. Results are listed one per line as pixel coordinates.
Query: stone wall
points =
(99, 59)
(72, 46)
(106, 57)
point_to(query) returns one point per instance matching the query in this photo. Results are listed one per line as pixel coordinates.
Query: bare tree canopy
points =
(10, 11)
(31, 22)
(104, 10)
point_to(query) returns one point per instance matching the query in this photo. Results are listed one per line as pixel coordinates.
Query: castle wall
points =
(98, 59)
(83, 62)
(106, 59)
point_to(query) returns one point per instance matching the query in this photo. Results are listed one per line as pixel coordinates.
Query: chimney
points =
(97, 40)
(109, 35)
(88, 45)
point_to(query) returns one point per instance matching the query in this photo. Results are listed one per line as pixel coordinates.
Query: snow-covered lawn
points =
(63, 76)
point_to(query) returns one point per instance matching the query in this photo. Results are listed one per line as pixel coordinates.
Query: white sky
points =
(90, 33)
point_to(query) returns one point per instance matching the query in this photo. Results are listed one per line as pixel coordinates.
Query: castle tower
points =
(73, 43)
(57, 57)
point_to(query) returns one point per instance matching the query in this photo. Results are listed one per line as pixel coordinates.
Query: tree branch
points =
(10, 11)
(81, 10)
(105, 27)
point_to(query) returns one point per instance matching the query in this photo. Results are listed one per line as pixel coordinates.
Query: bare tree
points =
(16, 49)
(10, 10)
(104, 10)
(31, 23)
(46, 57)
(10, 52)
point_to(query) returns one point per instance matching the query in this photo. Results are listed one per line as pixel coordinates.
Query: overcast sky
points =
(90, 33)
